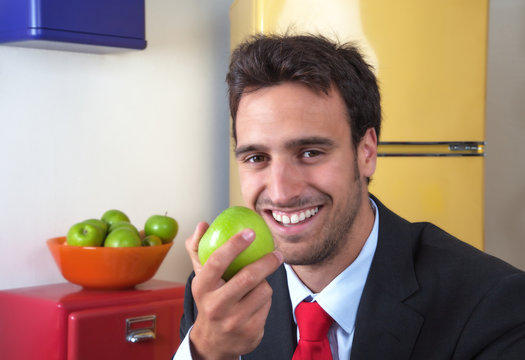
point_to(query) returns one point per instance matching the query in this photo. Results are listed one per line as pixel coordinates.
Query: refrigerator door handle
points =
(436, 148)
(477, 147)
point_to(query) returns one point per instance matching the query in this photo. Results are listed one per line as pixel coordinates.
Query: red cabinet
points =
(67, 322)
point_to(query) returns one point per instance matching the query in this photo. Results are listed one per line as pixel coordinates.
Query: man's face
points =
(298, 169)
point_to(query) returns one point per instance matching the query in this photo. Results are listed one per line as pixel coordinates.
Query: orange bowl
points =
(105, 267)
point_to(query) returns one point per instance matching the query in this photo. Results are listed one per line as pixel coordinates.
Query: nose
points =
(285, 183)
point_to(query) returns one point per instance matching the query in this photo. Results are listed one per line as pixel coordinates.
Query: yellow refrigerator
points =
(430, 60)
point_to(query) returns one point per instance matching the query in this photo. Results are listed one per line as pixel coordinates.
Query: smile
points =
(294, 217)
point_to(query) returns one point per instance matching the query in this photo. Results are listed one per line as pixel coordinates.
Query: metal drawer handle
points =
(140, 336)
(141, 328)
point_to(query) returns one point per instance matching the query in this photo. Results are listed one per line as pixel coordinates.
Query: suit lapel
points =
(386, 328)
(280, 337)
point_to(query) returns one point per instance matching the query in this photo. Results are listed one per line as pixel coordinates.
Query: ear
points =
(367, 153)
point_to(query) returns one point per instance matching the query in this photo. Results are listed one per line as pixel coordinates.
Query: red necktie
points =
(313, 323)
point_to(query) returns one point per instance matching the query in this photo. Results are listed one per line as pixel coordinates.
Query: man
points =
(306, 122)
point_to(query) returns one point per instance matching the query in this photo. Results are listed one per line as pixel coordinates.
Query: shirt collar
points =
(340, 299)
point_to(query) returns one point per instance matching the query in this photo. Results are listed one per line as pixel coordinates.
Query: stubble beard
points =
(333, 236)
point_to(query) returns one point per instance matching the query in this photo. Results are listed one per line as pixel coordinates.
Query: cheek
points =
(251, 185)
(337, 174)
(331, 180)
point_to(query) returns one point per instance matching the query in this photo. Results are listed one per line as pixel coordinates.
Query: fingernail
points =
(248, 235)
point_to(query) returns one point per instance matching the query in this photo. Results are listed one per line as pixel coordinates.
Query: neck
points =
(317, 276)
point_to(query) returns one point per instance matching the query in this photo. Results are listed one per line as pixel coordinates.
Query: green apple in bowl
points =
(122, 224)
(84, 234)
(163, 226)
(100, 224)
(113, 216)
(122, 237)
(230, 222)
(151, 240)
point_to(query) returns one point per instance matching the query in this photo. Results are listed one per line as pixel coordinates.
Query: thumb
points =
(192, 245)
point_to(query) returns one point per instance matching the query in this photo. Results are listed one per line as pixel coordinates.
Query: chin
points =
(293, 254)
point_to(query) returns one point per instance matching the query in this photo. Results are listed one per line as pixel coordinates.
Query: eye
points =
(311, 153)
(255, 158)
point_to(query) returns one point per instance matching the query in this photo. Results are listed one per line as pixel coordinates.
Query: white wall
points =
(505, 170)
(142, 131)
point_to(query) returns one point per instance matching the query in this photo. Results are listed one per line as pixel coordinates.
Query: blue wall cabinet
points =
(78, 25)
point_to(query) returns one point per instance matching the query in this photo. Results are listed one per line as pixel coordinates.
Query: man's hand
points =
(231, 314)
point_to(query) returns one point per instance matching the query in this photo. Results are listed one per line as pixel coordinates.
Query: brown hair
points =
(315, 61)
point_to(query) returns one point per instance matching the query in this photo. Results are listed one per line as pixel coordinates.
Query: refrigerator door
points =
(446, 190)
(429, 56)
(432, 58)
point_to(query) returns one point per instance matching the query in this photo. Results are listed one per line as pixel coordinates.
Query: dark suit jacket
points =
(427, 296)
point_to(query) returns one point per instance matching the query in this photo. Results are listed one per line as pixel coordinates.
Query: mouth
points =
(292, 218)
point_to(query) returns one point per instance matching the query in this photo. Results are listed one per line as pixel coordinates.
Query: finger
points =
(252, 312)
(259, 298)
(248, 330)
(258, 319)
(252, 275)
(192, 245)
(223, 256)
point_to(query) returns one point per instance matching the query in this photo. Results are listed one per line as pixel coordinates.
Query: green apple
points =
(230, 222)
(113, 216)
(123, 237)
(122, 224)
(151, 240)
(98, 223)
(163, 226)
(84, 234)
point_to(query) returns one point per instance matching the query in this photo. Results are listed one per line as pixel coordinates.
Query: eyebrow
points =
(240, 150)
(291, 144)
(309, 141)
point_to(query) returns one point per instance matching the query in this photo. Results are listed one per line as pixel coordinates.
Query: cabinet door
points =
(110, 18)
(138, 331)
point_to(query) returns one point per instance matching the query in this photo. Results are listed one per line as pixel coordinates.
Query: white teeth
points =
(296, 217)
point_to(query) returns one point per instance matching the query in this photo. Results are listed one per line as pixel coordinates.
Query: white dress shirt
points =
(340, 299)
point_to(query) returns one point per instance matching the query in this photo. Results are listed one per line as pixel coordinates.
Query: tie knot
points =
(313, 321)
